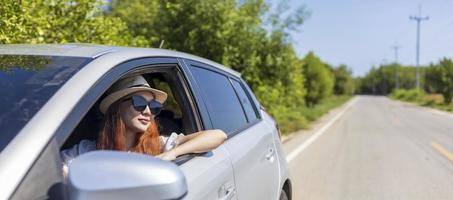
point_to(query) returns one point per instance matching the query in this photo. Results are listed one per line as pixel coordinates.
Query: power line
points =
(418, 18)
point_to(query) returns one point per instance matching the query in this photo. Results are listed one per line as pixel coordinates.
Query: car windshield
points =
(26, 84)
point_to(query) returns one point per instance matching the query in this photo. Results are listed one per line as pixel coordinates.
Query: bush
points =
(432, 100)
(291, 120)
(412, 95)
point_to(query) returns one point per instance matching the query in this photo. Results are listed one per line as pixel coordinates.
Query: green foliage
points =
(60, 21)
(432, 79)
(411, 95)
(293, 121)
(229, 33)
(382, 80)
(344, 83)
(437, 78)
(440, 77)
(319, 80)
(139, 19)
(438, 85)
(420, 98)
(317, 111)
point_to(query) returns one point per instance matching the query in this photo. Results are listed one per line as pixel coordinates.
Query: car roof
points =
(95, 51)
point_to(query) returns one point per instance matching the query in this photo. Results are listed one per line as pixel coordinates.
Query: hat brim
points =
(160, 96)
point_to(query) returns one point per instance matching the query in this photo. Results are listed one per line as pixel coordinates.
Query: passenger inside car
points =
(131, 110)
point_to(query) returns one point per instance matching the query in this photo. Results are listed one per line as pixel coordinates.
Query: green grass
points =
(420, 98)
(317, 111)
(302, 118)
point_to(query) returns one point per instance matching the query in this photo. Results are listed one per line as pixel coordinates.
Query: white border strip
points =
(318, 133)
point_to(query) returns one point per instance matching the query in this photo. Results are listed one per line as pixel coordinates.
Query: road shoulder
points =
(293, 140)
(429, 109)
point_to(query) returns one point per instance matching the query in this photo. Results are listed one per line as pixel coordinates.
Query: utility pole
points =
(418, 18)
(396, 48)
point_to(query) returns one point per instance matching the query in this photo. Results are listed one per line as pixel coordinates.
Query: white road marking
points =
(318, 133)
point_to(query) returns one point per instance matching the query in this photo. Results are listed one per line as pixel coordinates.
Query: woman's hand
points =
(168, 155)
(198, 142)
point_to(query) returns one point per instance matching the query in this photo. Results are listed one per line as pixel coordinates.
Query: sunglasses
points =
(139, 103)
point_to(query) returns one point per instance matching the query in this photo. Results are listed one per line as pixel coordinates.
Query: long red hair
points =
(112, 134)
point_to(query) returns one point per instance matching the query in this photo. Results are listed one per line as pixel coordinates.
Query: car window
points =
(26, 83)
(224, 108)
(170, 104)
(245, 101)
(169, 120)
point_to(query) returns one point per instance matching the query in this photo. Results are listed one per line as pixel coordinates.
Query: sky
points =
(360, 33)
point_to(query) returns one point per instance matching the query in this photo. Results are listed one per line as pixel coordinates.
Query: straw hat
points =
(128, 86)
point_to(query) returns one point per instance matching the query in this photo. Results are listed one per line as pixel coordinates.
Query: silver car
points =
(49, 100)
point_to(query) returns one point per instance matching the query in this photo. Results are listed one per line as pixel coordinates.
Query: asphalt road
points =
(376, 148)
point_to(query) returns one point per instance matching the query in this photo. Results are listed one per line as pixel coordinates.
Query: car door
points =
(250, 142)
(208, 175)
(256, 164)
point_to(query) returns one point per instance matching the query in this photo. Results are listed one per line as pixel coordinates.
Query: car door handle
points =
(228, 193)
(270, 154)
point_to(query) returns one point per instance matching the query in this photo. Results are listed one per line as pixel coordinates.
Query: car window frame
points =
(248, 93)
(188, 63)
(134, 66)
(48, 165)
(255, 101)
(95, 92)
(187, 101)
(195, 91)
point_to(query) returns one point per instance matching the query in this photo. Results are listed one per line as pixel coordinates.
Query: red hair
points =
(112, 135)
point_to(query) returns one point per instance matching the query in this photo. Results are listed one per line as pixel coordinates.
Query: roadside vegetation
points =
(250, 36)
(421, 98)
(436, 84)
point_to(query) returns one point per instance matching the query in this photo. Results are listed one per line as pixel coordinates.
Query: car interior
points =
(176, 115)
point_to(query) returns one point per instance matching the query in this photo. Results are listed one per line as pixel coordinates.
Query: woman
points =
(128, 125)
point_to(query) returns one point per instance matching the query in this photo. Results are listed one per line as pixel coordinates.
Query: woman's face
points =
(136, 121)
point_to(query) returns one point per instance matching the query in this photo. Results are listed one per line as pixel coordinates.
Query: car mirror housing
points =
(122, 175)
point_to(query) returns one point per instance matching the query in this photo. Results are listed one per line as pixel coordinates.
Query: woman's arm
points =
(197, 142)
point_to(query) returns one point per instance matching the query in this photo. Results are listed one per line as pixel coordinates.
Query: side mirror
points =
(121, 175)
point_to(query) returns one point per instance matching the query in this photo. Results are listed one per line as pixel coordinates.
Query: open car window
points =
(170, 118)
(175, 116)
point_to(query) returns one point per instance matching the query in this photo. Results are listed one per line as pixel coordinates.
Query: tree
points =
(61, 21)
(344, 84)
(382, 80)
(446, 79)
(433, 81)
(228, 32)
(319, 80)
